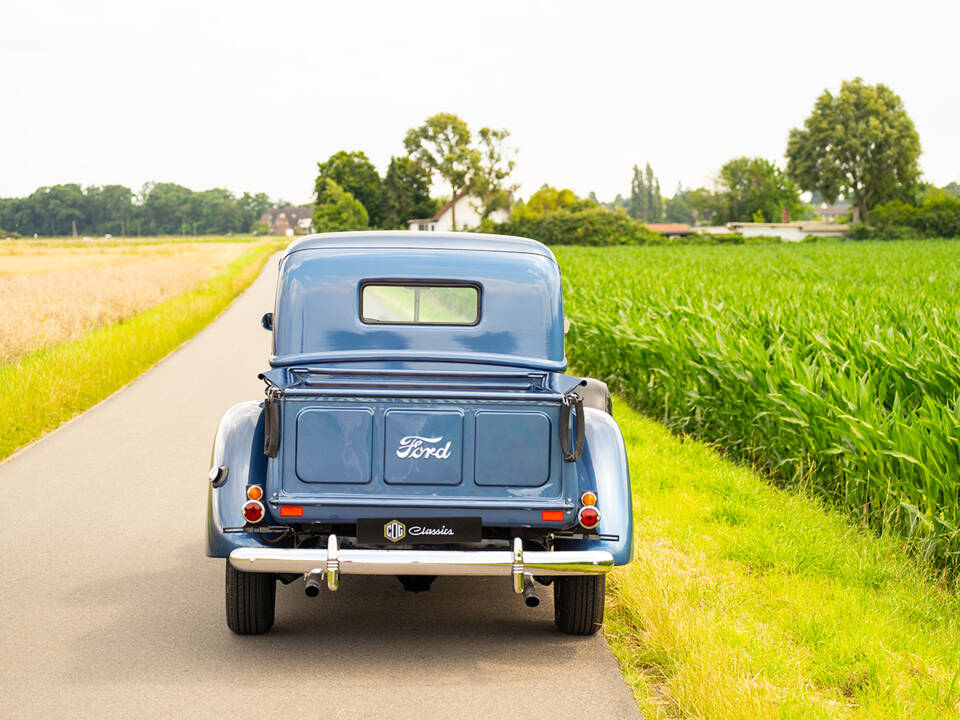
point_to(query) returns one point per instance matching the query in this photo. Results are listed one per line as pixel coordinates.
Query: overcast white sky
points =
(250, 95)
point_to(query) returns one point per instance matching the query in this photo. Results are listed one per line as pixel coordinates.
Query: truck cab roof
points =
(320, 317)
(396, 239)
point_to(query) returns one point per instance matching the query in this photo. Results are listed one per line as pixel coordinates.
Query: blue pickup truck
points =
(417, 422)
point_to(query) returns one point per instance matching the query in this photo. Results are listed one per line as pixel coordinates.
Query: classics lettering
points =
(421, 530)
(415, 447)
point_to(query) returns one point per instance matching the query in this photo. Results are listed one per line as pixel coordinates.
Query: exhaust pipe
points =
(529, 592)
(312, 586)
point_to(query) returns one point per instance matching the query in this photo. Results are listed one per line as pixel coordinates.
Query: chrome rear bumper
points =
(334, 561)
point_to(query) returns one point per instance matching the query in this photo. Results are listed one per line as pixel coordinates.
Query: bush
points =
(590, 226)
(938, 215)
(861, 231)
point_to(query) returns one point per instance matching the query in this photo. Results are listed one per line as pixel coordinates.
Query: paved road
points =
(110, 609)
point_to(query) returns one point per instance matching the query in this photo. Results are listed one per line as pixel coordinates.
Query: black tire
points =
(578, 603)
(250, 601)
(596, 394)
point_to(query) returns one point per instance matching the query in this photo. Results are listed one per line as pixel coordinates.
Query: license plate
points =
(418, 531)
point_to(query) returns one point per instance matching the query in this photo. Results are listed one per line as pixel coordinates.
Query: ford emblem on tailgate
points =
(414, 446)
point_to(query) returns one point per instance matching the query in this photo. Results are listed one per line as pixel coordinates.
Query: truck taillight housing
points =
(253, 511)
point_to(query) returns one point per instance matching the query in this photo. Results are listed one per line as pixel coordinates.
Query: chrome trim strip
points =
(518, 503)
(357, 561)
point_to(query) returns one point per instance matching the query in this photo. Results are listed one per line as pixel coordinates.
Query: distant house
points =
(468, 215)
(671, 230)
(789, 232)
(833, 213)
(289, 220)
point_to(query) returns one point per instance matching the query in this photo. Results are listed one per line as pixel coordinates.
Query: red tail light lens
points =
(589, 517)
(552, 515)
(253, 512)
(291, 511)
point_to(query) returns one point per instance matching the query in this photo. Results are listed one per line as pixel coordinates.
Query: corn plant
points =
(832, 366)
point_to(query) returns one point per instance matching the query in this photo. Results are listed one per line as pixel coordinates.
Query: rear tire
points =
(578, 603)
(251, 598)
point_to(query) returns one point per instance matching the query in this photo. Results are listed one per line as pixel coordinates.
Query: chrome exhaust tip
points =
(311, 587)
(530, 597)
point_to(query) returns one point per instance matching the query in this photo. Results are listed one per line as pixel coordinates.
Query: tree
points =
(441, 146)
(754, 188)
(494, 165)
(547, 200)
(353, 172)
(860, 143)
(637, 209)
(677, 209)
(336, 209)
(952, 188)
(646, 203)
(253, 207)
(406, 193)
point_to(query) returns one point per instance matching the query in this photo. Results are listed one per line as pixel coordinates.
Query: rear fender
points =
(239, 447)
(603, 466)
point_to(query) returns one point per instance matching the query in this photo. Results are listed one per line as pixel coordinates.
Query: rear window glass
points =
(419, 304)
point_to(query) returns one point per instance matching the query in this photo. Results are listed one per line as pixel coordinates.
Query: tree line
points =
(859, 145)
(158, 209)
(351, 195)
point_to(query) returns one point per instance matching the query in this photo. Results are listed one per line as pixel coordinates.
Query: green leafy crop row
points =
(832, 366)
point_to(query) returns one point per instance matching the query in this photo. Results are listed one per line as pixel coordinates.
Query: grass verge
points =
(745, 601)
(41, 390)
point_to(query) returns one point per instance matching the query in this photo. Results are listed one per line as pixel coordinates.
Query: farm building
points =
(671, 230)
(468, 215)
(288, 220)
(791, 231)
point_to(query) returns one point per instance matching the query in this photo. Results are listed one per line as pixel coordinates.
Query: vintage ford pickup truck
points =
(417, 422)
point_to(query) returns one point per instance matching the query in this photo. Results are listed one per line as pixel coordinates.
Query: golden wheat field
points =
(55, 293)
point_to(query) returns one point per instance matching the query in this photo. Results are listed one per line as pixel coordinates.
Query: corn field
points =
(833, 366)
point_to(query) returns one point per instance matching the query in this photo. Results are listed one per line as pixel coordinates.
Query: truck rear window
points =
(400, 303)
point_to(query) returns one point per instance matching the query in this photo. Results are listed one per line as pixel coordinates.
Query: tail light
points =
(589, 517)
(254, 492)
(253, 511)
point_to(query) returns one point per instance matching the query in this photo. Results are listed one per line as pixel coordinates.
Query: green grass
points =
(833, 367)
(41, 390)
(745, 601)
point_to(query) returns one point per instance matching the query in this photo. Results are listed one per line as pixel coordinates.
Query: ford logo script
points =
(415, 446)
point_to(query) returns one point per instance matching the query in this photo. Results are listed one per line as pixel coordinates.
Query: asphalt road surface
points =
(110, 608)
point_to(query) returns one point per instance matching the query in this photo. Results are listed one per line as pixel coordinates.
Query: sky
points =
(250, 95)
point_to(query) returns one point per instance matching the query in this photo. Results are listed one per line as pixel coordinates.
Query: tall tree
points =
(406, 193)
(637, 209)
(860, 143)
(336, 209)
(442, 147)
(353, 172)
(646, 203)
(494, 164)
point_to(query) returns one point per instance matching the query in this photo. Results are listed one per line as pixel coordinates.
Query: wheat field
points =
(54, 294)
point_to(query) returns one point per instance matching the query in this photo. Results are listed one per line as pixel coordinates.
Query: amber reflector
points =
(588, 498)
(552, 515)
(291, 511)
(254, 492)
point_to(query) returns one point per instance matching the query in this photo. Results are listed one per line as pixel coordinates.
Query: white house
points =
(789, 232)
(468, 216)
